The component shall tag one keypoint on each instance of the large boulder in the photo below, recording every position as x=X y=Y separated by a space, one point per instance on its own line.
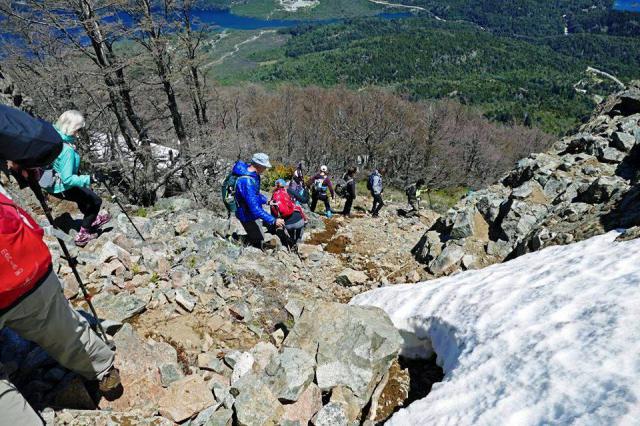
x=353 y=346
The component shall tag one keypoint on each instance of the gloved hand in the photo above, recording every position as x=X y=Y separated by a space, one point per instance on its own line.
x=98 y=177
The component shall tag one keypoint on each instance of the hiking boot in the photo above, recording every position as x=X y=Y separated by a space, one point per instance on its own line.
x=110 y=386
x=101 y=219
x=83 y=237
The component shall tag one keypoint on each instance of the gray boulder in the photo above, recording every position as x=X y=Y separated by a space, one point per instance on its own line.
x=119 y=307
x=447 y=260
x=353 y=346
x=289 y=373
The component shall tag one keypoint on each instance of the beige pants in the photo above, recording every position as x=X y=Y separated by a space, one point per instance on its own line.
x=46 y=318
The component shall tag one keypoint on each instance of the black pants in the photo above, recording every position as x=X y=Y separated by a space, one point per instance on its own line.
x=347 y=206
x=314 y=201
x=377 y=204
x=88 y=202
x=255 y=234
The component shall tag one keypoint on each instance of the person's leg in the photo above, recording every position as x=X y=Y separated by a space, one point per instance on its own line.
x=46 y=318
x=327 y=204
x=254 y=233
x=347 y=206
x=88 y=203
x=15 y=410
x=314 y=201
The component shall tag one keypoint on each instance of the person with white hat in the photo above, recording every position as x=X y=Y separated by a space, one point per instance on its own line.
x=321 y=186
x=249 y=199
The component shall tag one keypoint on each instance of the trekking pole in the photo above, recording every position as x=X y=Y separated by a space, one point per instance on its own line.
x=114 y=198
x=35 y=187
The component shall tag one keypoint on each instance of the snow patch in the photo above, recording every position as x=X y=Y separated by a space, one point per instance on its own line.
x=294 y=5
x=550 y=337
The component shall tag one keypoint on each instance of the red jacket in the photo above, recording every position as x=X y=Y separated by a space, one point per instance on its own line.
x=25 y=260
x=283 y=206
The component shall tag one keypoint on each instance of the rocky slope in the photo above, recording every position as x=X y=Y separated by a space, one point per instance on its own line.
x=584 y=186
x=211 y=332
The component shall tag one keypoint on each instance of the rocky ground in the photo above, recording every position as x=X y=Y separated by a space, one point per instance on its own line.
x=587 y=184
x=211 y=332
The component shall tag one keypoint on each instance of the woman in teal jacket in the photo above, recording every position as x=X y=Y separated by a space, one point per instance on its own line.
x=69 y=185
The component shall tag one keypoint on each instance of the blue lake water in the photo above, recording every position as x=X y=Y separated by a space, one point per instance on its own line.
x=224 y=19
x=627 y=5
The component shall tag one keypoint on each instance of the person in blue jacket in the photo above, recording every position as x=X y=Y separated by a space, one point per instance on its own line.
x=250 y=201
x=69 y=185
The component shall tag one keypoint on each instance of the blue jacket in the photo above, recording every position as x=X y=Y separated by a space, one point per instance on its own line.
x=248 y=196
x=66 y=166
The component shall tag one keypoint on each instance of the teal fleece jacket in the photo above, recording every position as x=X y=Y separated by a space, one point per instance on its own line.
x=66 y=166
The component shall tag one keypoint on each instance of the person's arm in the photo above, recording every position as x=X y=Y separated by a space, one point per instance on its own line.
x=250 y=193
x=310 y=181
x=327 y=182
x=64 y=168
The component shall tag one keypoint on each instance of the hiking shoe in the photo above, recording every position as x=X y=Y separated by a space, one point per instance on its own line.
x=110 y=385
x=83 y=237
x=101 y=219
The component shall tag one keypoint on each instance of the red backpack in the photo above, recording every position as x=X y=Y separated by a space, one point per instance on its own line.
x=24 y=257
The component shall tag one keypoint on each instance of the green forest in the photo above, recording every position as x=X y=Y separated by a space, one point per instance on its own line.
x=513 y=80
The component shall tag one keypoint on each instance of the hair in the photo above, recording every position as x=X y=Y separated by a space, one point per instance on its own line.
x=420 y=182
x=70 y=122
x=352 y=170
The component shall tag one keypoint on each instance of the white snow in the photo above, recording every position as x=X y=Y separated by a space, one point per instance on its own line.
x=552 y=337
x=294 y=5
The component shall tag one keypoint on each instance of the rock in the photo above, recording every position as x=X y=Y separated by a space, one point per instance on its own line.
x=119 y=307
x=242 y=366
x=185 y=398
x=289 y=373
x=111 y=251
x=349 y=277
x=278 y=337
x=262 y=354
x=294 y=307
x=182 y=226
x=353 y=346
x=218 y=417
x=308 y=404
x=139 y=362
x=463 y=225
x=603 y=189
x=623 y=141
x=413 y=276
x=108 y=418
x=185 y=299
x=611 y=155
x=255 y=405
x=174 y=204
x=170 y=373
x=332 y=414
x=350 y=404
x=447 y=260
x=241 y=311
x=210 y=361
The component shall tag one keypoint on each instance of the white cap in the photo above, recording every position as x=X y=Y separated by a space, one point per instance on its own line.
x=324 y=169
x=261 y=159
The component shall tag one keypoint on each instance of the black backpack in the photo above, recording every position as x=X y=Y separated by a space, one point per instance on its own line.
x=29 y=141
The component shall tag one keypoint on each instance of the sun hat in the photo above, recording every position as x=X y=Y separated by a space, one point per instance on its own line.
x=261 y=159
x=324 y=169
x=281 y=183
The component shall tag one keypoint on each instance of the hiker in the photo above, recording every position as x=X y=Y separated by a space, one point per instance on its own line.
x=297 y=180
x=282 y=206
x=31 y=299
x=250 y=201
x=69 y=185
x=413 y=192
x=321 y=187
x=374 y=185
x=350 y=190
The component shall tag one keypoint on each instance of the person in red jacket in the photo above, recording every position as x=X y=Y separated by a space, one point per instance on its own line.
x=33 y=305
x=283 y=206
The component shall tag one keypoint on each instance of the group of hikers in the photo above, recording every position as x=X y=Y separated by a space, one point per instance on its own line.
x=32 y=302
x=286 y=217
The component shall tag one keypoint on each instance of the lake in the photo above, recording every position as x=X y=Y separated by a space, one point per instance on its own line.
x=224 y=19
x=627 y=5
